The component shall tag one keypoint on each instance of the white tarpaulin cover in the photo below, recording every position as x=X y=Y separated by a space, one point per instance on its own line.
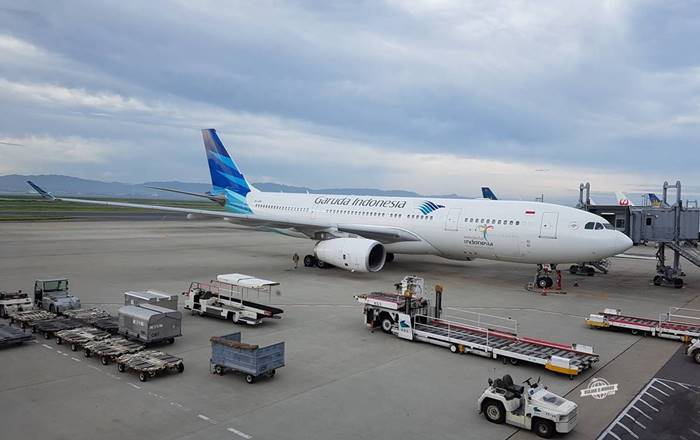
x=242 y=280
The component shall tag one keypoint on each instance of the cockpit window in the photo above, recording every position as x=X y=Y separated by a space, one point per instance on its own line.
x=598 y=226
x=608 y=226
x=589 y=225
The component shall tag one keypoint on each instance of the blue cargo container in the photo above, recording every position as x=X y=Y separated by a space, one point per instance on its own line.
x=228 y=353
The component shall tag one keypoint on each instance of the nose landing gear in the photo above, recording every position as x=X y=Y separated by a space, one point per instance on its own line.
x=543 y=279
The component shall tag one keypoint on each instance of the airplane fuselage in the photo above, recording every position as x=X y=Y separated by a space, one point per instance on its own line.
x=458 y=229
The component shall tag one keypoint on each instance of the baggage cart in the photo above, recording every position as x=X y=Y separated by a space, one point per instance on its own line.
x=109 y=324
x=149 y=363
x=49 y=327
x=229 y=353
x=88 y=316
x=109 y=349
x=13 y=336
x=76 y=338
x=28 y=318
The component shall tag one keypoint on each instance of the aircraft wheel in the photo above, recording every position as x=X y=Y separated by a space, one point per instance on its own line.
x=321 y=264
x=573 y=269
x=544 y=282
x=389 y=257
x=309 y=261
x=677 y=283
x=658 y=279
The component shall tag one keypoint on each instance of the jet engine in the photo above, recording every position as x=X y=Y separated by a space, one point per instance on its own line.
x=353 y=254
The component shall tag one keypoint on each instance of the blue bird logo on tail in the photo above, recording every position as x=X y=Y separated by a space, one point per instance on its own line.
x=427 y=207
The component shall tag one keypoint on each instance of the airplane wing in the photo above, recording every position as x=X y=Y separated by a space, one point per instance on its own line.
x=311 y=228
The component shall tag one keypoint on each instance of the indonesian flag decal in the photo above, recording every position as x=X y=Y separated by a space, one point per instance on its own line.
x=528 y=212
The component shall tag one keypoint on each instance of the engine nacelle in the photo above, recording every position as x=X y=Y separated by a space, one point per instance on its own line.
x=353 y=254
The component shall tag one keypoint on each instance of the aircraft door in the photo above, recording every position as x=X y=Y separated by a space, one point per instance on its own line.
x=452 y=219
x=548 y=228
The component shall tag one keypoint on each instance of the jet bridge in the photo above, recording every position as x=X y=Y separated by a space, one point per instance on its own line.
x=674 y=226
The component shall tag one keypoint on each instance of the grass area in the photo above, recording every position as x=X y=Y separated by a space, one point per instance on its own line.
x=24 y=208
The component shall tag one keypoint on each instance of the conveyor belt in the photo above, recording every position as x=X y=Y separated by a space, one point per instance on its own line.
x=654 y=323
x=501 y=341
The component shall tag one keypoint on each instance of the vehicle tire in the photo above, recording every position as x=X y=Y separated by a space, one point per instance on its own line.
x=696 y=356
x=543 y=428
x=180 y=367
x=590 y=271
x=387 y=323
x=218 y=369
x=73 y=347
x=321 y=264
x=634 y=331
x=272 y=373
x=249 y=378
x=513 y=361
x=58 y=341
x=678 y=283
x=104 y=360
x=143 y=376
x=3 y=314
x=121 y=367
x=171 y=341
x=389 y=257
x=52 y=309
x=47 y=335
x=657 y=280
x=87 y=353
x=494 y=411
x=573 y=269
x=309 y=261
x=542 y=282
x=454 y=348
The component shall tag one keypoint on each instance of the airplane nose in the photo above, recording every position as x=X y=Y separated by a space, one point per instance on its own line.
x=622 y=243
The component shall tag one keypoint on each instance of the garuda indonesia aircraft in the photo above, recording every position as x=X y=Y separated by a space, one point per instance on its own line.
x=361 y=233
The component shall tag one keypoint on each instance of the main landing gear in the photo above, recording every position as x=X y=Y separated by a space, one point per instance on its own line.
x=311 y=261
x=543 y=279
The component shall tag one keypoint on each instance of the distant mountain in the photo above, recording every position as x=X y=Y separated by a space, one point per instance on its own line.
x=74 y=186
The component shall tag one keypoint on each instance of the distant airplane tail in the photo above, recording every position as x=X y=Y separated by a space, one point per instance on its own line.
x=654 y=200
x=622 y=199
x=487 y=193
x=226 y=179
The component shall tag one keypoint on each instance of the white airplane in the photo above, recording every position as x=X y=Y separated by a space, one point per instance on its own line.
x=362 y=233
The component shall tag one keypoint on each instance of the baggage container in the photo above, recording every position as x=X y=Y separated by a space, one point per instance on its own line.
x=149 y=323
x=229 y=353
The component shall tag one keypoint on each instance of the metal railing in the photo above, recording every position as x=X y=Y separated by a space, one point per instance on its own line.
x=479 y=325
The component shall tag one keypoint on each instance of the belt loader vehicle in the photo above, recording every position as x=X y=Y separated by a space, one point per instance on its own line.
x=534 y=409
x=53 y=295
x=229 y=297
x=414 y=319
x=11 y=302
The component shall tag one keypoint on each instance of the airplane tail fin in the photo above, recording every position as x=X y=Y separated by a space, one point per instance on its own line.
x=487 y=193
x=654 y=200
x=622 y=199
x=226 y=178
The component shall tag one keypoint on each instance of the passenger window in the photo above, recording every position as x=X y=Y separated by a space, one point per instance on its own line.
x=511 y=222
x=499 y=222
x=589 y=225
x=517 y=222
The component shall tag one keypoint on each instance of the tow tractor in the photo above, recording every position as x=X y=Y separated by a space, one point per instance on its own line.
x=535 y=409
x=409 y=316
x=53 y=295
x=11 y=302
x=693 y=350
x=228 y=297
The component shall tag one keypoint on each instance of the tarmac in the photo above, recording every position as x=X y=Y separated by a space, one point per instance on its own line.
x=341 y=381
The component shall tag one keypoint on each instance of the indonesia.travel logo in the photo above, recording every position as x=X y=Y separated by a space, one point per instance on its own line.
x=427 y=207
x=485 y=229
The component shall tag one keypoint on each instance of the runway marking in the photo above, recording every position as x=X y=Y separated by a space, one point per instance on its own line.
x=65 y=354
x=94 y=368
x=47 y=346
x=59 y=351
x=206 y=419
x=134 y=385
x=239 y=433
x=76 y=359
x=113 y=376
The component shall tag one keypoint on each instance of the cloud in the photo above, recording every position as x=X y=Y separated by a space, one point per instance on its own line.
x=465 y=93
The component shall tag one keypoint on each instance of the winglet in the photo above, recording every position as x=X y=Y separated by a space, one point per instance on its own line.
x=41 y=192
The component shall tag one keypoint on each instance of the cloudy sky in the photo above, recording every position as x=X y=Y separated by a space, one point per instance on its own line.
x=432 y=96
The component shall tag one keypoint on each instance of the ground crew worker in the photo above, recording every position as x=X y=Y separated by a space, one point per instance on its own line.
x=295 y=259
